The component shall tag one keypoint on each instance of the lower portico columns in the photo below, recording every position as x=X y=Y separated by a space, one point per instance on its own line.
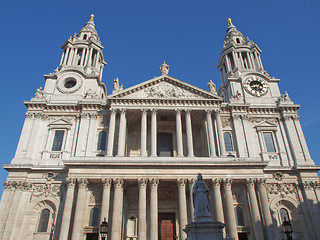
x=77 y=231
x=154 y=182
x=105 y=200
x=265 y=208
x=220 y=134
x=142 y=224
x=254 y=209
x=179 y=133
x=183 y=218
x=217 y=201
x=112 y=124
x=231 y=223
x=116 y=227
x=210 y=133
x=65 y=224
x=143 y=150
x=191 y=183
x=189 y=133
x=122 y=133
x=154 y=132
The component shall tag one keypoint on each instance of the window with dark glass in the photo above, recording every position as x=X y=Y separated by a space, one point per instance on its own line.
x=239 y=214
x=164 y=145
x=228 y=141
x=102 y=141
x=284 y=215
x=269 y=142
x=44 y=220
x=94 y=217
x=57 y=141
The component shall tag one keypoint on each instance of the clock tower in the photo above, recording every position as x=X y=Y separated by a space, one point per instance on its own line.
x=243 y=78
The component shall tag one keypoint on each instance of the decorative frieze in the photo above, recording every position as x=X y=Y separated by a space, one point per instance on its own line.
x=46 y=190
x=281 y=188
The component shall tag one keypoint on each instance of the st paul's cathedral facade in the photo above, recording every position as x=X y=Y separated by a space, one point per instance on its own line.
x=132 y=157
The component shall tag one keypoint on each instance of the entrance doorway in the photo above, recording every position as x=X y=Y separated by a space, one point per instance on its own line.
x=165 y=145
x=167 y=226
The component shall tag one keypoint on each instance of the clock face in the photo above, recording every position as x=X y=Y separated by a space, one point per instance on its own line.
x=256 y=86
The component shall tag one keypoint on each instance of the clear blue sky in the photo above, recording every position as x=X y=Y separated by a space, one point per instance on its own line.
x=138 y=35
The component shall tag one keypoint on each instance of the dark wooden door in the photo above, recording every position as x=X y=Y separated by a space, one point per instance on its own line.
x=167 y=226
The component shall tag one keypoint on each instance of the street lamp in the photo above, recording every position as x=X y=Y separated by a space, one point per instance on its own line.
x=287 y=229
x=104 y=229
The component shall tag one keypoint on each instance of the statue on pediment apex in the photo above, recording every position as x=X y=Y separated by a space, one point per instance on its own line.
x=164 y=68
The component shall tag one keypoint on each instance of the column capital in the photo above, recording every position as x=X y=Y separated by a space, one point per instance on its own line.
x=251 y=182
x=142 y=182
x=227 y=182
x=71 y=182
x=82 y=182
x=113 y=110
x=118 y=183
x=106 y=182
x=181 y=182
x=217 y=111
x=178 y=110
x=188 y=111
x=123 y=110
x=154 y=182
x=261 y=182
x=209 y=110
x=154 y=110
x=144 y=110
x=216 y=182
x=191 y=182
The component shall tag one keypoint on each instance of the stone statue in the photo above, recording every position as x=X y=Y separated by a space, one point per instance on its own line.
x=164 y=68
x=286 y=97
x=39 y=93
x=211 y=86
x=201 y=200
x=116 y=85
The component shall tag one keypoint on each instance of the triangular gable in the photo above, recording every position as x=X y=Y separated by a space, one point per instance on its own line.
x=265 y=125
x=164 y=87
x=60 y=123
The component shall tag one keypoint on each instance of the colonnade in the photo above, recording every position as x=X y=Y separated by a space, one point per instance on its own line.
x=221 y=189
x=179 y=139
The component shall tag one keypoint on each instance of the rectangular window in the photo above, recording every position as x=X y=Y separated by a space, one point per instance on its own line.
x=268 y=139
x=57 y=142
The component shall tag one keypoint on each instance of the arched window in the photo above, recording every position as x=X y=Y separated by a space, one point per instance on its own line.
x=44 y=220
x=84 y=36
x=102 y=141
x=239 y=214
x=238 y=40
x=284 y=215
x=228 y=141
x=94 y=217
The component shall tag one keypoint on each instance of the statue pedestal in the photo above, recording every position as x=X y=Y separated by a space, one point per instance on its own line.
x=204 y=230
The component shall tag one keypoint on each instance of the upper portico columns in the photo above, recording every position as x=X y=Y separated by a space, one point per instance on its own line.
x=220 y=134
x=122 y=132
x=154 y=132
x=143 y=151
x=179 y=133
x=111 y=132
x=189 y=133
x=210 y=133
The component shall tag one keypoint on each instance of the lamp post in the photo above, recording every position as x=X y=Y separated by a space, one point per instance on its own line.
x=104 y=229
x=287 y=229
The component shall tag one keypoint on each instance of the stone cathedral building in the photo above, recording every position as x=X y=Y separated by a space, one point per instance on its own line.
x=132 y=156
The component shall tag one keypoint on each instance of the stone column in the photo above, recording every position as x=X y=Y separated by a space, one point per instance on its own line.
x=179 y=133
x=210 y=133
x=254 y=209
x=112 y=124
x=217 y=201
x=231 y=223
x=189 y=133
x=154 y=132
x=105 y=199
x=122 y=133
x=153 y=209
x=183 y=219
x=142 y=218
x=65 y=224
x=143 y=151
x=66 y=56
x=220 y=134
x=239 y=134
x=116 y=227
x=191 y=183
x=265 y=208
x=77 y=231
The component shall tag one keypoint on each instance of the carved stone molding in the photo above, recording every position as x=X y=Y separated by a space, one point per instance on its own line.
x=46 y=190
x=154 y=182
x=142 y=182
x=82 y=182
x=227 y=182
x=123 y=110
x=216 y=182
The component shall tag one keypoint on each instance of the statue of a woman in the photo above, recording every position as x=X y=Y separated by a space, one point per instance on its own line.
x=201 y=200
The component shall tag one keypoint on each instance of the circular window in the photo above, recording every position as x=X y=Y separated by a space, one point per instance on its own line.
x=70 y=83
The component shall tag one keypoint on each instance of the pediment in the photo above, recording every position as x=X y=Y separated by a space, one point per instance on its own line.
x=164 y=87
x=62 y=123
x=265 y=125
